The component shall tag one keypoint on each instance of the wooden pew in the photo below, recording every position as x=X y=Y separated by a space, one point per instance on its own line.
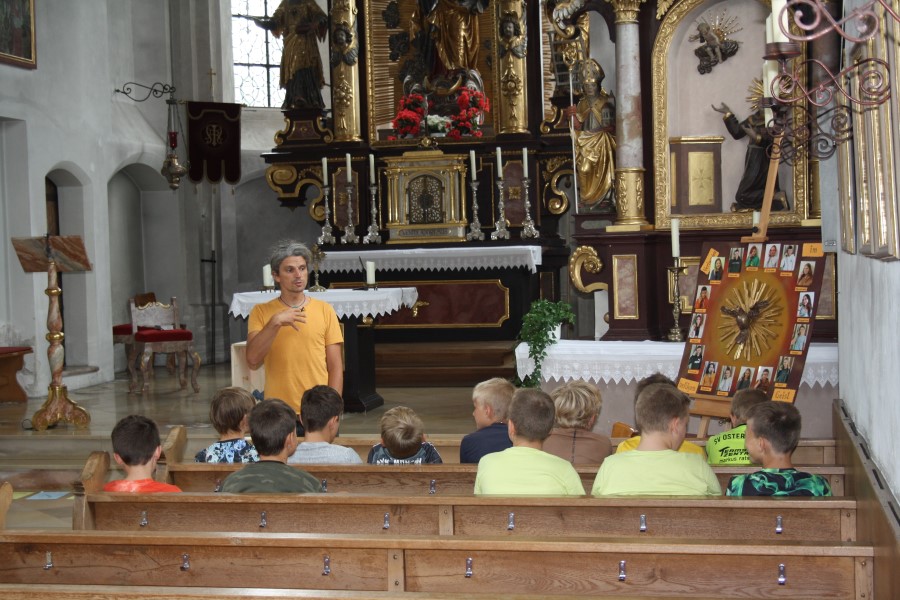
x=6 y=496
x=435 y=564
x=417 y=479
x=810 y=519
x=808 y=452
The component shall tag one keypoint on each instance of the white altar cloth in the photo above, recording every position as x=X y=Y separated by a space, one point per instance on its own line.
x=356 y=303
x=631 y=361
x=434 y=259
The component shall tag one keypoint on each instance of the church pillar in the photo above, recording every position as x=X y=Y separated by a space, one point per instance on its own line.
x=629 y=185
x=512 y=49
x=345 y=100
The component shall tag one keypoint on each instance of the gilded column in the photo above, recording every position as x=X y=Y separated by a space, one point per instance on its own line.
x=344 y=58
x=512 y=49
x=629 y=185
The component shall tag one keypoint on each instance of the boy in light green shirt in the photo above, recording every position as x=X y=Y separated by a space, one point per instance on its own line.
x=728 y=447
x=656 y=467
x=525 y=469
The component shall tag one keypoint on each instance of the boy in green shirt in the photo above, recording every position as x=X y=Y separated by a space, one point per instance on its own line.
x=728 y=447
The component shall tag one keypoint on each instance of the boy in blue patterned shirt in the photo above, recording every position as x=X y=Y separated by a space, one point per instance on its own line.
x=228 y=413
x=773 y=430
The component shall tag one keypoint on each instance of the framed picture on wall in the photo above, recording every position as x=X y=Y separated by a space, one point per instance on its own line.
x=17 y=33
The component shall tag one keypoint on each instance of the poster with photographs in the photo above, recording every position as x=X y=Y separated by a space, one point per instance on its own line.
x=754 y=309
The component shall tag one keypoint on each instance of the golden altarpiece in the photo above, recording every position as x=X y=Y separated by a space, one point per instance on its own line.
x=476 y=123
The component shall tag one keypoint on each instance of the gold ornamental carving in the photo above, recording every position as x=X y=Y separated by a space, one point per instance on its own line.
x=626 y=10
x=512 y=49
x=629 y=200
x=585 y=258
x=344 y=53
x=555 y=198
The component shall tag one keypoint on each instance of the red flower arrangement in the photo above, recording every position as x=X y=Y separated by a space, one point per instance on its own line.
x=410 y=114
x=472 y=105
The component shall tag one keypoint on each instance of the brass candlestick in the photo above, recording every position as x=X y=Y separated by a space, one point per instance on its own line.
x=675 y=333
x=317 y=257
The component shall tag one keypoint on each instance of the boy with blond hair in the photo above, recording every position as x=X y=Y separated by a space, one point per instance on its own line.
x=727 y=448
x=229 y=413
x=656 y=467
x=525 y=469
x=136 y=448
x=402 y=440
x=578 y=405
x=773 y=430
x=491 y=400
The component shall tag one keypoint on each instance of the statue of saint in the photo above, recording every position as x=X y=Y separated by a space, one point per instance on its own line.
x=302 y=24
x=749 y=195
x=452 y=26
x=595 y=140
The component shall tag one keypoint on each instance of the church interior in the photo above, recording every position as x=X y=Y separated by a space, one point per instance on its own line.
x=684 y=178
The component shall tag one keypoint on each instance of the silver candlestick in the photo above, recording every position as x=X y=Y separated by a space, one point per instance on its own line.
x=501 y=232
x=372 y=237
x=350 y=236
x=475 y=232
x=528 y=229
x=675 y=333
x=327 y=236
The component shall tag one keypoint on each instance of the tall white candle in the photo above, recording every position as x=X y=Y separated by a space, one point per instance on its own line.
x=268 y=280
x=525 y=163
x=780 y=19
x=472 y=165
x=499 y=164
x=676 y=241
x=372 y=169
x=324 y=170
x=756 y=216
x=370 y=272
x=769 y=34
x=349 y=172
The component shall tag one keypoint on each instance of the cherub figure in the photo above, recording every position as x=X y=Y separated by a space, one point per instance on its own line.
x=715 y=46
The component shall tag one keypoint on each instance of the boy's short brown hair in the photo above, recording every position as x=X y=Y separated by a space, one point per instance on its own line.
x=777 y=422
x=228 y=408
x=532 y=413
x=745 y=399
x=318 y=406
x=657 y=405
x=271 y=422
x=577 y=404
x=402 y=431
x=135 y=438
x=650 y=380
x=496 y=393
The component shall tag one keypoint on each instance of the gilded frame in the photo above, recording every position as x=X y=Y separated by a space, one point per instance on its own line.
x=675 y=17
x=625 y=263
x=381 y=72
x=846 y=189
x=27 y=59
x=861 y=176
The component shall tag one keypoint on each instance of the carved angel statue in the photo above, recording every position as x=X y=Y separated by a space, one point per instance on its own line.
x=511 y=38
x=344 y=47
x=715 y=46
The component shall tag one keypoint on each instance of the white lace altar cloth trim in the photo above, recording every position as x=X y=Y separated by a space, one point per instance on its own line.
x=434 y=259
x=356 y=303
x=631 y=361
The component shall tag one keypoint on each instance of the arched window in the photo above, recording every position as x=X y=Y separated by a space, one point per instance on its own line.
x=257 y=55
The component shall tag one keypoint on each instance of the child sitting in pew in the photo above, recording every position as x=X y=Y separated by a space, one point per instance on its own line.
x=578 y=405
x=525 y=469
x=402 y=440
x=229 y=412
x=655 y=467
x=320 y=412
x=491 y=400
x=273 y=428
x=773 y=430
x=727 y=448
x=136 y=448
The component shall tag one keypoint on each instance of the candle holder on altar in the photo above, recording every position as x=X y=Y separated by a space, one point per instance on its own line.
x=501 y=232
x=675 y=333
x=317 y=257
x=528 y=229
x=475 y=232
x=373 y=237
x=327 y=236
x=350 y=236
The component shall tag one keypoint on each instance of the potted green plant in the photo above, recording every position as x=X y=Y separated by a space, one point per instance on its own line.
x=539 y=331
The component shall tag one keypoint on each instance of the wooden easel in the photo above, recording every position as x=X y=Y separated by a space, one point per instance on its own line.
x=761 y=230
x=55 y=254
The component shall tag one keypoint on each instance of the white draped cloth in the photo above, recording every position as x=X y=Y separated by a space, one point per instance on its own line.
x=434 y=259
x=624 y=362
x=346 y=303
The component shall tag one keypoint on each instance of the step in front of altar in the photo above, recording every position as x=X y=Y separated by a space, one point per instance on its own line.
x=443 y=364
